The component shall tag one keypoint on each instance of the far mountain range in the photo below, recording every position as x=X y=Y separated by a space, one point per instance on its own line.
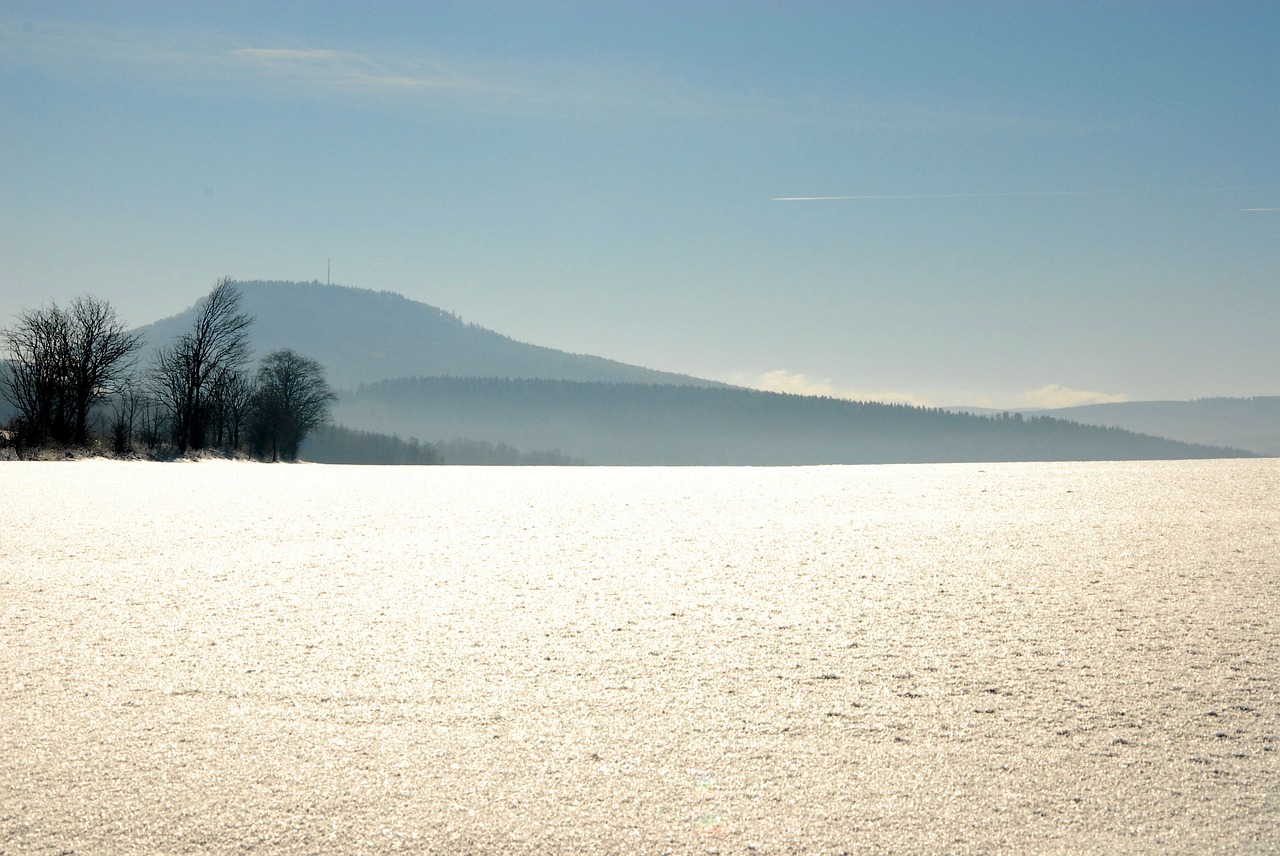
x=414 y=370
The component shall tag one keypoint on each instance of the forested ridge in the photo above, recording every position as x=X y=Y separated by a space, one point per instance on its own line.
x=615 y=423
x=1251 y=423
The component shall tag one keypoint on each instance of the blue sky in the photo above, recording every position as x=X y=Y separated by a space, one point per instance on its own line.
x=1055 y=202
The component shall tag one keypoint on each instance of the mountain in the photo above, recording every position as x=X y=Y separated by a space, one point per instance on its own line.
x=609 y=423
x=362 y=336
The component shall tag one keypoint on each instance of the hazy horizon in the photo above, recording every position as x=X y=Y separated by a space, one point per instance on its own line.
x=942 y=204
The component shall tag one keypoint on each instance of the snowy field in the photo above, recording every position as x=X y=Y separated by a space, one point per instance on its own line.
x=223 y=657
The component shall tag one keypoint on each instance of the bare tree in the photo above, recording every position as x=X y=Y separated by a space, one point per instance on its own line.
x=171 y=387
x=187 y=369
x=128 y=404
x=36 y=380
x=230 y=403
x=102 y=356
x=291 y=401
x=153 y=418
x=63 y=363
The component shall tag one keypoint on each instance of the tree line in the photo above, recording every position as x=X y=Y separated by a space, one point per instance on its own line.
x=74 y=378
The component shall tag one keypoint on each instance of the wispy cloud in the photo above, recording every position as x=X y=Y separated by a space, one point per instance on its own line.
x=781 y=380
x=576 y=87
x=1053 y=395
x=346 y=70
x=185 y=58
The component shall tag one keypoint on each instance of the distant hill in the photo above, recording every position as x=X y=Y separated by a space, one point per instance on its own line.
x=1244 y=423
x=1252 y=424
x=605 y=423
x=362 y=336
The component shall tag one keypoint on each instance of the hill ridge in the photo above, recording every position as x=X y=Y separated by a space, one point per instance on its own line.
x=362 y=336
x=664 y=424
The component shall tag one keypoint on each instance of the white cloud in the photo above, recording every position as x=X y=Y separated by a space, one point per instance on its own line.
x=781 y=380
x=1053 y=395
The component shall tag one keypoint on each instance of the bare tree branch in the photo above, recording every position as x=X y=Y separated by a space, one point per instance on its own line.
x=186 y=371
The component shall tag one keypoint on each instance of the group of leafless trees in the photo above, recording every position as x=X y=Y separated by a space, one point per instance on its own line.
x=72 y=370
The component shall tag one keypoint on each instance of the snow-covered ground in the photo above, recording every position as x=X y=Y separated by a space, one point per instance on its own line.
x=218 y=657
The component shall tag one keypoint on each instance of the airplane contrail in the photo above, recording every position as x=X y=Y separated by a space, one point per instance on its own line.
x=1021 y=193
x=945 y=195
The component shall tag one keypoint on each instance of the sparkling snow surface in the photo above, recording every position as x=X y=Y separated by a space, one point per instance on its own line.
x=222 y=657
